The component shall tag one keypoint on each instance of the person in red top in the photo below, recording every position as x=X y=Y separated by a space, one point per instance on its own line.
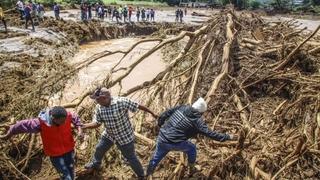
x=130 y=13
x=55 y=129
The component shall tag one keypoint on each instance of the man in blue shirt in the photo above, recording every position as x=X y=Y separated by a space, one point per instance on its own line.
x=178 y=124
x=56 y=10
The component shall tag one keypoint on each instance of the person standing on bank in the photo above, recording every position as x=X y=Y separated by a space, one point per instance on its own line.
x=56 y=10
x=2 y=18
x=113 y=113
x=54 y=126
x=41 y=12
x=179 y=124
x=130 y=12
x=20 y=8
x=138 y=14
x=28 y=16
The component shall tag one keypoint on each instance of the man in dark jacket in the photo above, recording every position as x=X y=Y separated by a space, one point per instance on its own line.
x=177 y=126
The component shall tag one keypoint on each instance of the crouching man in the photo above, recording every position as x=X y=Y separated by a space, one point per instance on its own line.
x=177 y=126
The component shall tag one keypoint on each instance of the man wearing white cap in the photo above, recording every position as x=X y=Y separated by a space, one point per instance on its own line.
x=177 y=126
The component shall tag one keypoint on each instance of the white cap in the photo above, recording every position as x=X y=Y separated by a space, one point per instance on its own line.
x=200 y=105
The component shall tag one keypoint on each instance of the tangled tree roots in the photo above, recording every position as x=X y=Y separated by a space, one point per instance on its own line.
x=260 y=79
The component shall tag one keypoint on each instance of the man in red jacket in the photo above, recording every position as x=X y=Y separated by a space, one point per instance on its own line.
x=54 y=126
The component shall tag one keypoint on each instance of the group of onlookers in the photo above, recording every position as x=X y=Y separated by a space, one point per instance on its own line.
x=179 y=14
x=120 y=13
x=146 y=14
x=31 y=10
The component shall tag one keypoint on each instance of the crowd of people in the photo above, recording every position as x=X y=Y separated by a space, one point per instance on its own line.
x=179 y=14
x=177 y=126
x=30 y=11
x=33 y=13
x=114 y=13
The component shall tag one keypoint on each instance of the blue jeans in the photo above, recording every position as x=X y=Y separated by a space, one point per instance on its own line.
x=64 y=164
x=127 y=151
x=57 y=16
x=162 y=150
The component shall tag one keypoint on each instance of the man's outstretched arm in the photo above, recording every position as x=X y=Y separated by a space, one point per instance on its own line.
x=23 y=126
x=204 y=129
x=91 y=125
x=143 y=108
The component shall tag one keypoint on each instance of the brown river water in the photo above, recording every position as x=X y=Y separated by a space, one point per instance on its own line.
x=89 y=76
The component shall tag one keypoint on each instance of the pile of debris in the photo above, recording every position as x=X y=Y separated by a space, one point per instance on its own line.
x=260 y=79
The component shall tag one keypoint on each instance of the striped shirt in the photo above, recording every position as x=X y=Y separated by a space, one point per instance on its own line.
x=116 y=120
x=183 y=122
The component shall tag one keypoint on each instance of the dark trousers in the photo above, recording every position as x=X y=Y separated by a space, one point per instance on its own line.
x=127 y=151
x=56 y=15
x=162 y=150
x=21 y=14
x=64 y=165
x=4 y=23
x=29 y=18
x=83 y=15
x=89 y=14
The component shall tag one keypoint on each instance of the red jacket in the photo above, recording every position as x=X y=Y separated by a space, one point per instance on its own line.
x=57 y=140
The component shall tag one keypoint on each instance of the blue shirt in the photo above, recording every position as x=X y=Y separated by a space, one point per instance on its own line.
x=56 y=9
x=27 y=11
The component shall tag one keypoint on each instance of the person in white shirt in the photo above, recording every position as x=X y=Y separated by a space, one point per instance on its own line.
x=20 y=8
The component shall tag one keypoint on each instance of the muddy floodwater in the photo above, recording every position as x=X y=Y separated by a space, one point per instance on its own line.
x=89 y=76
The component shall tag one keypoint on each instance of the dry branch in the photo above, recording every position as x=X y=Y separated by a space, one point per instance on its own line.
x=289 y=57
x=225 y=59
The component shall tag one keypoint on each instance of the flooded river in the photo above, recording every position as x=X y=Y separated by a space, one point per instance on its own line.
x=89 y=76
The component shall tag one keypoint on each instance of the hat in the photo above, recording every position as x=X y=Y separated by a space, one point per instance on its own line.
x=200 y=105
x=98 y=92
